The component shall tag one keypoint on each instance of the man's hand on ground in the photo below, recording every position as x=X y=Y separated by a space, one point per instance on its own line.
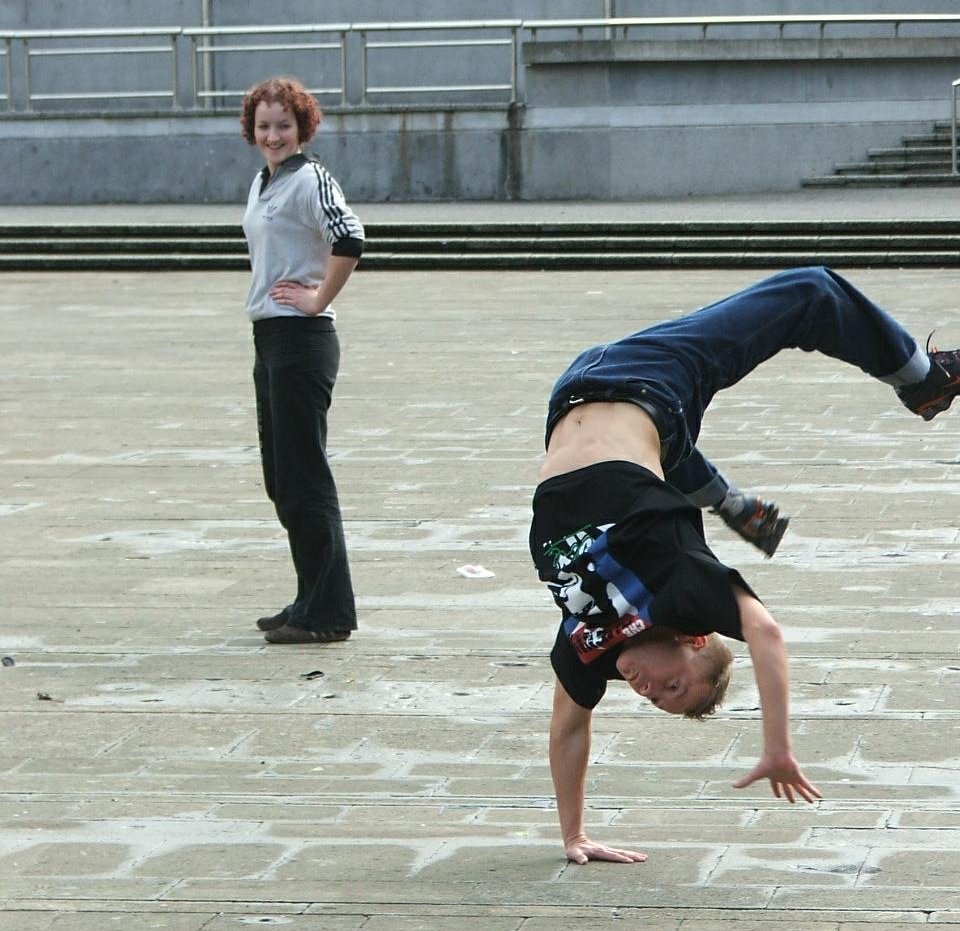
x=785 y=777
x=581 y=849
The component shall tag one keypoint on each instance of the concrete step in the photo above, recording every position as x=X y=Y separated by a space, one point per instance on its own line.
x=923 y=158
x=533 y=261
x=652 y=244
x=922 y=139
x=699 y=244
x=927 y=139
x=89 y=245
x=206 y=251
x=884 y=179
x=224 y=237
x=918 y=151
x=893 y=165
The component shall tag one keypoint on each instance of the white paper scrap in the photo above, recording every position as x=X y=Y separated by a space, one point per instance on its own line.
x=471 y=571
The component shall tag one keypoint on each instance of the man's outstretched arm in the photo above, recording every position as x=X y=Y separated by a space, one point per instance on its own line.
x=569 y=755
x=769 y=655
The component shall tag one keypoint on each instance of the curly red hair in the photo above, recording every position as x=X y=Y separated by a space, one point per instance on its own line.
x=292 y=96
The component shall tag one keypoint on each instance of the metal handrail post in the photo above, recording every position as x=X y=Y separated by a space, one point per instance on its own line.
x=953 y=127
x=8 y=63
x=363 y=66
x=515 y=64
x=27 y=92
x=194 y=76
x=175 y=97
x=343 y=67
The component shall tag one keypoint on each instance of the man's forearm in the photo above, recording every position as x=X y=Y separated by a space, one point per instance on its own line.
x=569 y=755
x=773 y=683
x=777 y=763
x=570 y=727
x=771 y=669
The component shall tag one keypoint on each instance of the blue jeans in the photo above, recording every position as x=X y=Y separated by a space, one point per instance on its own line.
x=674 y=369
x=296 y=366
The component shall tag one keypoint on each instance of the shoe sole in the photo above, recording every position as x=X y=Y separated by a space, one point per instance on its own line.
x=771 y=541
x=306 y=637
x=930 y=410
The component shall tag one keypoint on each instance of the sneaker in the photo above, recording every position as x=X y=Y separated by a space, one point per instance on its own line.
x=936 y=392
x=759 y=523
x=274 y=620
x=290 y=634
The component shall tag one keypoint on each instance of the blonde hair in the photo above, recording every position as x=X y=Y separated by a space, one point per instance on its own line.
x=716 y=662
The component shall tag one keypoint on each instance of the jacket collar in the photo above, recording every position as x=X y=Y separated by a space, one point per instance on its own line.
x=288 y=164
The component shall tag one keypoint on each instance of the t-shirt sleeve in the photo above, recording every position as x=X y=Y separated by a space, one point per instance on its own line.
x=585 y=685
x=698 y=598
x=340 y=226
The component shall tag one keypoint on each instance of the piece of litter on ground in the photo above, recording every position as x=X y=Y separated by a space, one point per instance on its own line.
x=46 y=696
x=472 y=571
x=9 y=661
x=313 y=674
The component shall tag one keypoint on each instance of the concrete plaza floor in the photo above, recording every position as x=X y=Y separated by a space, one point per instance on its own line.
x=164 y=768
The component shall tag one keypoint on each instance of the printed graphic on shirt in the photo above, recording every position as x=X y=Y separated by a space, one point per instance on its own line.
x=603 y=602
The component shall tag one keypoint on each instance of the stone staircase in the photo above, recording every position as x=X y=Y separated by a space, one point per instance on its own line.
x=534 y=246
x=923 y=159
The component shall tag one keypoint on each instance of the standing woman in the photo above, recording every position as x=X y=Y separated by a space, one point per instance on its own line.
x=304 y=243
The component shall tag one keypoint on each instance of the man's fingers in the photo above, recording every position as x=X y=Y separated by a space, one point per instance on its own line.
x=745 y=781
x=809 y=791
x=790 y=790
x=626 y=856
x=610 y=854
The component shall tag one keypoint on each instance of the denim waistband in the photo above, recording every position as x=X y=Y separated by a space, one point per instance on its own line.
x=667 y=417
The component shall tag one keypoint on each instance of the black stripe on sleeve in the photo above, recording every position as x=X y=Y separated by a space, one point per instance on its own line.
x=348 y=246
x=342 y=224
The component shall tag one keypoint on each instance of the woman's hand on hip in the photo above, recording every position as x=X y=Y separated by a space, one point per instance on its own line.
x=300 y=296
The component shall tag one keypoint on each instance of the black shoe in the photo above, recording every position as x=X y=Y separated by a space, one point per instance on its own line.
x=274 y=620
x=759 y=522
x=290 y=634
x=936 y=392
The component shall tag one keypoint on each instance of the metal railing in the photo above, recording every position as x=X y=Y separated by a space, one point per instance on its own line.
x=953 y=125
x=7 y=71
x=203 y=49
x=511 y=41
x=32 y=55
x=201 y=68
x=703 y=23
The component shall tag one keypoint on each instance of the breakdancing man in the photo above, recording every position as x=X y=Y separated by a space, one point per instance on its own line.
x=622 y=551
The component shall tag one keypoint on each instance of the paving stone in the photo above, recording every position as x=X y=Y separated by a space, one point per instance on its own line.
x=127 y=921
x=325 y=921
x=211 y=860
x=183 y=774
x=443 y=923
x=65 y=859
x=17 y=920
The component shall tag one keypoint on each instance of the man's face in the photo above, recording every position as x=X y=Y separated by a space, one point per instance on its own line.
x=666 y=671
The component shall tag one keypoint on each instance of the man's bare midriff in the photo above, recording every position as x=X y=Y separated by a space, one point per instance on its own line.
x=602 y=431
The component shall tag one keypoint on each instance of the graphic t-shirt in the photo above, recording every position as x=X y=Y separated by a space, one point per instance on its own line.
x=622 y=551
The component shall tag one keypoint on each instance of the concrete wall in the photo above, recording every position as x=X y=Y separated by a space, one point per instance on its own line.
x=674 y=118
x=605 y=120
x=398 y=156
